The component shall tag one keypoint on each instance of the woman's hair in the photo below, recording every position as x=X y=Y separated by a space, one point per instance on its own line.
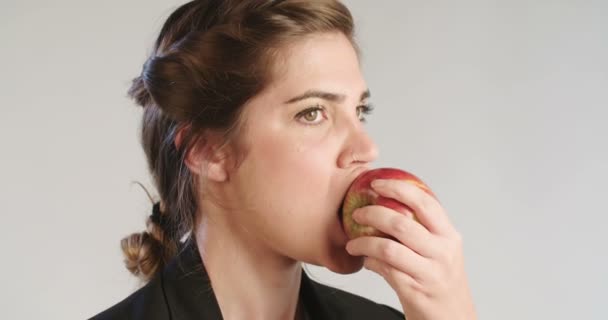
x=210 y=58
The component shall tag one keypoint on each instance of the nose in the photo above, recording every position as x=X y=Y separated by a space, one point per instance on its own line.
x=359 y=148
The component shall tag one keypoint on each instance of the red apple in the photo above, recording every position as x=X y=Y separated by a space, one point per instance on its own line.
x=360 y=194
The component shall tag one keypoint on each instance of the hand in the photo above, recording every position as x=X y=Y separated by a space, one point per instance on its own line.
x=425 y=266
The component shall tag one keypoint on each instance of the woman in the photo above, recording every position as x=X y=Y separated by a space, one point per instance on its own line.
x=253 y=131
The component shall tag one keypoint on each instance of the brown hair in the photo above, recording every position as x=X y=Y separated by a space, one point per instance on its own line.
x=209 y=59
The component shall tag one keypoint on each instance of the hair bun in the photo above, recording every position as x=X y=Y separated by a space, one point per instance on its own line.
x=139 y=93
x=170 y=86
x=142 y=254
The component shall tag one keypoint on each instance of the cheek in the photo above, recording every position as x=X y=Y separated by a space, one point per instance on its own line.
x=288 y=185
x=288 y=177
x=295 y=165
x=288 y=166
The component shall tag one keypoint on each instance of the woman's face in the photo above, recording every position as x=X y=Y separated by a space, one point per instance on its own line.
x=302 y=136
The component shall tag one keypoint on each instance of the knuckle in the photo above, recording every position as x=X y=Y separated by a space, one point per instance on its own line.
x=403 y=193
x=394 y=273
x=425 y=202
x=400 y=225
x=420 y=291
x=446 y=252
x=435 y=275
x=451 y=252
x=388 y=250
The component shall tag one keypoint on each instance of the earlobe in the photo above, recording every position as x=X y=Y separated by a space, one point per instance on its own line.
x=216 y=171
x=205 y=159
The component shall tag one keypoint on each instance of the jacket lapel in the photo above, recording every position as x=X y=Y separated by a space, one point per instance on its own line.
x=187 y=287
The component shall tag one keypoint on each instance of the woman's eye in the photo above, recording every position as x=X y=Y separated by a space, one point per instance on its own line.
x=315 y=115
x=363 y=110
x=311 y=116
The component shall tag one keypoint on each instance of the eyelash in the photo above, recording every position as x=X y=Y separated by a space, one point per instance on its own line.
x=366 y=109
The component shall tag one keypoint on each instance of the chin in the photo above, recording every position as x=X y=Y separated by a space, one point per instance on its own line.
x=341 y=262
x=351 y=265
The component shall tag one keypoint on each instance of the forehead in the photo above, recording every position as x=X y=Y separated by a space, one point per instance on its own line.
x=325 y=61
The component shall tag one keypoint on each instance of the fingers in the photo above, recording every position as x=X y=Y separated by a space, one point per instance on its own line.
x=427 y=209
x=403 y=228
x=390 y=252
x=395 y=278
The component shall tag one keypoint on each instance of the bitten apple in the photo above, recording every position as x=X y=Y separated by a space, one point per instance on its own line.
x=360 y=194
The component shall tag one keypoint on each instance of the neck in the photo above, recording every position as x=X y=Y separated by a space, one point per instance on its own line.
x=248 y=280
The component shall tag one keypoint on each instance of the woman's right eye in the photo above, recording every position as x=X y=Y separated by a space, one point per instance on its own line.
x=312 y=114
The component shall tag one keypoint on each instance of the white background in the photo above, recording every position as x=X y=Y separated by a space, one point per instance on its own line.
x=500 y=106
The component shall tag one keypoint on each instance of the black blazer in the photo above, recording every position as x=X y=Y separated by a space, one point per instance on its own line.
x=182 y=291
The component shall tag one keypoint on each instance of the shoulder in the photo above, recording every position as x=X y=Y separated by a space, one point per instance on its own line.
x=146 y=303
x=346 y=305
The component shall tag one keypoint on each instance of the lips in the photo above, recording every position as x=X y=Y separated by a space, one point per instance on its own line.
x=356 y=173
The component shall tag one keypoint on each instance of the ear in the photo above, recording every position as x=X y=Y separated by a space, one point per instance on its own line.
x=205 y=158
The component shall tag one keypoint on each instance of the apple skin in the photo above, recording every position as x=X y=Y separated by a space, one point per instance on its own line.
x=360 y=194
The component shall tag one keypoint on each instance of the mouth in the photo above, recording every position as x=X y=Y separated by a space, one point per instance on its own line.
x=339 y=221
x=355 y=174
x=339 y=217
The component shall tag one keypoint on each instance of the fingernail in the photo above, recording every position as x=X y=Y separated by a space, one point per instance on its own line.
x=378 y=183
x=348 y=247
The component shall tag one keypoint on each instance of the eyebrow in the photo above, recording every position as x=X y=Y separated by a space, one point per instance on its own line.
x=329 y=96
